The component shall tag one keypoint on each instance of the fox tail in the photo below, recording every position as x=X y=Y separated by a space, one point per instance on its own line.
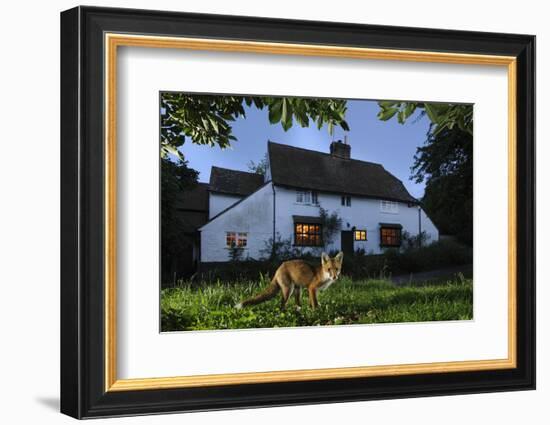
x=269 y=292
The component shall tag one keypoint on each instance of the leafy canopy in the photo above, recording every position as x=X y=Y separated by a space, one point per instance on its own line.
x=205 y=119
x=442 y=115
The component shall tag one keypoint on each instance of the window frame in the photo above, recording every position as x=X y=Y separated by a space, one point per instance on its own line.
x=242 y=237
x=311 y=195
x=360 y=231
x=238 y=238
x=394 y=207
x=399 y=236
x=345 y=200
x=314 y=198
x=308 y=233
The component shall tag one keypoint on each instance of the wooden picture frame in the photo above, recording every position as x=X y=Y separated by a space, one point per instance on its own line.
x=90 y=38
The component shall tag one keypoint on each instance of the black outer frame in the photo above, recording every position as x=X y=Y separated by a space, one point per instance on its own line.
x=82 y=219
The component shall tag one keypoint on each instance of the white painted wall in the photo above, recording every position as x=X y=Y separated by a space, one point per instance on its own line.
x=254 y=215
x=217 y=202
x=364 y=214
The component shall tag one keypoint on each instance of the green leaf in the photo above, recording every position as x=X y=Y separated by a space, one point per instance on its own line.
x=319 y=123
x=214 y=123
x=275 y=111
x=431 y=111
x=400 y=117
x=387 y=104
x=387 y=114
x=409 y=109
x=301 y=117
x=286 y=115
x=258 y=102
x=169 y=149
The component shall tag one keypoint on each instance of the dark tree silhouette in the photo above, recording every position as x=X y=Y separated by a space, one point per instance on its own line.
x=176 y=178
x=445 y=162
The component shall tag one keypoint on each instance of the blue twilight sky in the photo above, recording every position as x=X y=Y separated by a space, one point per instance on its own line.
x=389 y=143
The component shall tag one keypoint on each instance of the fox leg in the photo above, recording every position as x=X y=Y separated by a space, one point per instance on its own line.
x=298 y=296
x=286 y=292
x=313 y=297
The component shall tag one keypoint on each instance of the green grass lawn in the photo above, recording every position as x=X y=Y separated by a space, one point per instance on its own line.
x=346 y=302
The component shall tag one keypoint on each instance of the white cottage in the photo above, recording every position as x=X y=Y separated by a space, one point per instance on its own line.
x=247 y=209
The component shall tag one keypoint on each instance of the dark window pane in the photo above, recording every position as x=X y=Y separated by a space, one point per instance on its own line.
x=390 y=236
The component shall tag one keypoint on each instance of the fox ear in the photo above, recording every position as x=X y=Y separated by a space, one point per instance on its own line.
x=324 y=258
x=339 y=257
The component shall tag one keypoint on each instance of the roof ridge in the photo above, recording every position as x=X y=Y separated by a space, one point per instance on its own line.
x=324 y=153
x=233 y=170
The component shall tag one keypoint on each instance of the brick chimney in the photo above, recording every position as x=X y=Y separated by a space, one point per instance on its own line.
x=340 y=149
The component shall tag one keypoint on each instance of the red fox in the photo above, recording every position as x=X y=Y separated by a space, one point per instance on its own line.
x=292 y=275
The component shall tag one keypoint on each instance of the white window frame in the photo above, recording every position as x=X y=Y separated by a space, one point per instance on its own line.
x=239 y=236
x=389 y=207
x=307 y=197
x=345 y=200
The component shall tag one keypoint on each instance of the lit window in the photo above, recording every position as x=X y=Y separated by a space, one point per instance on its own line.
x=346 y=201
x=360 y=235
x=307 y=234
x=390 y=236
x=230 y=239
x=242 y=240
x=306 y=197
x=234 y=239
x=390 y=207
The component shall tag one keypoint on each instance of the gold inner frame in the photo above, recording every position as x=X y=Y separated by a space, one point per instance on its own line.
x=113 y=41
